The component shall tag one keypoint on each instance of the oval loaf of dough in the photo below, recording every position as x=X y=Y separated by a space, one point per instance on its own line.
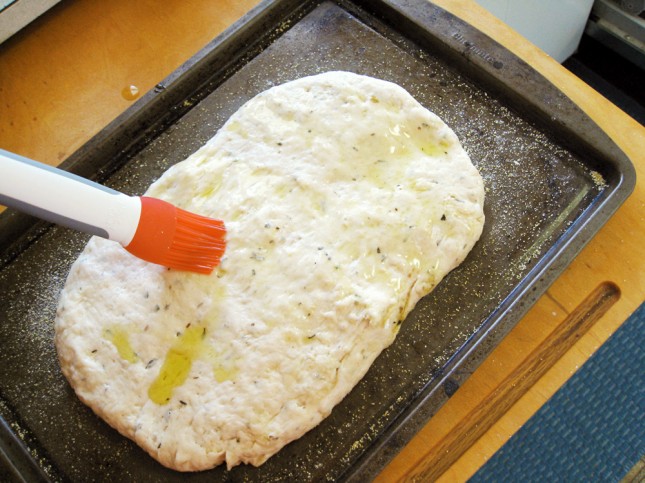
x=345 y=201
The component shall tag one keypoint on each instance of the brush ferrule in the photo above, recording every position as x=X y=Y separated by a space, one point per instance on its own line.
x=122 y=216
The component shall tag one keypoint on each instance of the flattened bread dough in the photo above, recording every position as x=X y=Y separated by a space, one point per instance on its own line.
x=345 y=202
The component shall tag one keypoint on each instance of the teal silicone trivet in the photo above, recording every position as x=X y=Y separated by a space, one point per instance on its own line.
x=592 y=429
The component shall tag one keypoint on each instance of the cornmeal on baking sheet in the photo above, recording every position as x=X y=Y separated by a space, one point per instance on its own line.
x=345 y=201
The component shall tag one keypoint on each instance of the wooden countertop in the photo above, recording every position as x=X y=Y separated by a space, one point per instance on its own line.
x=93 y=52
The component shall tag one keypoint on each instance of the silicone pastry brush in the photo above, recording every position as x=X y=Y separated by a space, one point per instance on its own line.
x=149 y=228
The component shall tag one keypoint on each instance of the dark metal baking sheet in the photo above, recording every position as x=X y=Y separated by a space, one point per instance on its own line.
x=552 y=179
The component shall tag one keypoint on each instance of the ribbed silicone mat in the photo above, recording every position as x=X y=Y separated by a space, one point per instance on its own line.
x=592 y=429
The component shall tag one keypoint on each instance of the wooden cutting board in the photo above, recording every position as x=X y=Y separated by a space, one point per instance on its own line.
x=109 y=53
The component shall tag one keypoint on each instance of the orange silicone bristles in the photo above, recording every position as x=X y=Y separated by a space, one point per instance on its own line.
x=169 y=236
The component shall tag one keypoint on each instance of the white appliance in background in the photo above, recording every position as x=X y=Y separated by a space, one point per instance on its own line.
x=555 y=26
x=15 y=14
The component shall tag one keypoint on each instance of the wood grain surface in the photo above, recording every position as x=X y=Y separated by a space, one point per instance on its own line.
x=106 y=54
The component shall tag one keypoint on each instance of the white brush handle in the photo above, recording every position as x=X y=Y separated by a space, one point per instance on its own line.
x=66 y=199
